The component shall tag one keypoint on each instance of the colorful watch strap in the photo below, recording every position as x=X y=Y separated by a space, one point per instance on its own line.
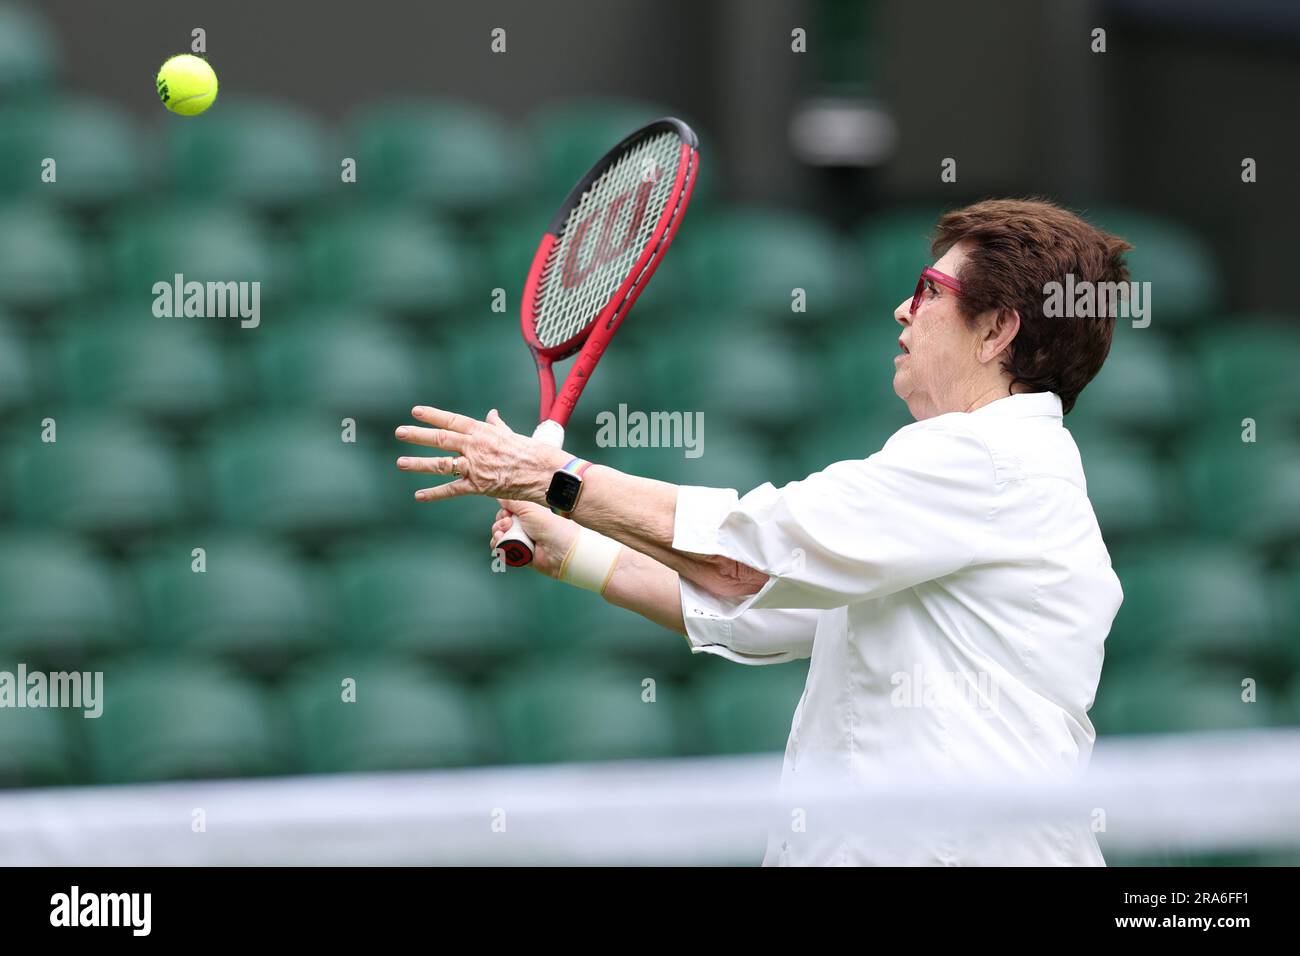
x=575 y=466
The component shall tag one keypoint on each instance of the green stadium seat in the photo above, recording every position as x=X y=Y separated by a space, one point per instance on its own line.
x=123 y=357
x=572 y=710
x=362 y=368
x=495 y=370
x=854 y=376
x=16 y=385
x=490 y=369
x=29 y=53
x=255 y=604
x=1184 y=275
x=1164 y=699
x=1246 y=491
x=1249 y=366
x=41 y=258
x=843 y=439
x=203 y=243
x=730 y=459
x=96 y=145
x=452 y=156
x=425 y=595
x=895 y=247
x=1142 y=388
x=574 y=133
x=1292 y=703
x=170 y=719
x=35 y=749
x=1286 y=590
x=573 y=620
x=389 y=259
x=1131 y=490
x=265 y=153
x=104 y=476
x=509 y=241
x=620 y=379
x=296 y=477
x=742 y=709
x=1194 y=602
x=401 y=718
x=61 y=600
x=760 y=378
x=461 y=523
x=753 y=258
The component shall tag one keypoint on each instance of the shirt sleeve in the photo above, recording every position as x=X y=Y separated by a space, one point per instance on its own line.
x=917 y=510
x=766 y=636
x=713 y=626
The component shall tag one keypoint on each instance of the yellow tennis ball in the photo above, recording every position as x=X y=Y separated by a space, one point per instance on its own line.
x=187 y=85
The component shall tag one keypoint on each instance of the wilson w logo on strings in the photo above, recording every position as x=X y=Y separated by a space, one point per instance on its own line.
x=608 y=247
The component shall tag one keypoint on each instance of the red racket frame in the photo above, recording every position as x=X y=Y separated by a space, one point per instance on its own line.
x=595 y=337
x=591 y=342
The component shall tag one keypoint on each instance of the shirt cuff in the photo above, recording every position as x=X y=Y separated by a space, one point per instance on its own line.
x=709 y=629
x=699 y=515
x=697 y=524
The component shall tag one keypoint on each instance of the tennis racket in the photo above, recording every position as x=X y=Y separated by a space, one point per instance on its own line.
x=594 y=260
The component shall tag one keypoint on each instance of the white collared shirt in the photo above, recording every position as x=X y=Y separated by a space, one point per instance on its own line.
x=953 y=592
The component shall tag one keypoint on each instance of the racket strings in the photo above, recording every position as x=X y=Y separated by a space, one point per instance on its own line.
x=603 y=236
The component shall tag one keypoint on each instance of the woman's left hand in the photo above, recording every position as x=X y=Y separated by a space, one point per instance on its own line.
x=487 y=458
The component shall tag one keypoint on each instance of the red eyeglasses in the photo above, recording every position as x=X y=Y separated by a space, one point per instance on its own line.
x=932 y=275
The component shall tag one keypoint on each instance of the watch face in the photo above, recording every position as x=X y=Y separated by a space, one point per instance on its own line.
x=563 y=493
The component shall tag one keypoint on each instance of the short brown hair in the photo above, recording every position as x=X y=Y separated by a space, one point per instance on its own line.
x=1020 y=246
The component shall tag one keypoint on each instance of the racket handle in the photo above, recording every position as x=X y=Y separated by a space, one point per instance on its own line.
x=516 y=546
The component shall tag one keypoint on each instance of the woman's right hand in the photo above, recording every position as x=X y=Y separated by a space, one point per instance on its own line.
x=552 y=535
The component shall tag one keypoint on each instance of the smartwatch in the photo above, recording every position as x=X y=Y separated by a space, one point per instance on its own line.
x=566 y=486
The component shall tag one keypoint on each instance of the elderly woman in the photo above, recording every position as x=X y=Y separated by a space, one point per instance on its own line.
x=952 y=590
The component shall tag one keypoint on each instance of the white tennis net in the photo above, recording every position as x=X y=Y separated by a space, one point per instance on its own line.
x=1202 y=794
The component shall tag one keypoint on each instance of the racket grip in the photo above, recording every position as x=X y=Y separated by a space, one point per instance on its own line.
x=515 y=545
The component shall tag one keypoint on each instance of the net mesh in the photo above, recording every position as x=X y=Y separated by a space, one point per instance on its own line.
x=604 y=235
x=1226 y=797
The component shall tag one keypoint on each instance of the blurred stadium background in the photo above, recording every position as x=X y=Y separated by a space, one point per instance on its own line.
x=820 y=171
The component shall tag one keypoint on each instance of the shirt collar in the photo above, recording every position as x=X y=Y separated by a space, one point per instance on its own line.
x=1024 y=405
